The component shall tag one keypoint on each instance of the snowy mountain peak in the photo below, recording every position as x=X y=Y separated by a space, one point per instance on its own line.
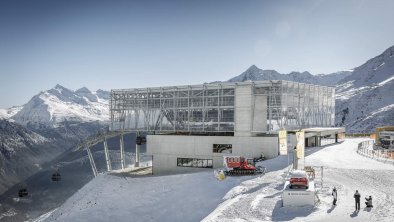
x=254 y=73
x=60 y=104
x=60 y=88
x=83 y=90
x=103 y=94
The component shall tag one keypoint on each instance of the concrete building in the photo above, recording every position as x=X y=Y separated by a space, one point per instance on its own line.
x=193 y=127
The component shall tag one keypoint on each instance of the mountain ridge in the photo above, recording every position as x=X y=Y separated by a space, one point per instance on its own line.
x=254 y=73
x=363 y=99
x=53 y=106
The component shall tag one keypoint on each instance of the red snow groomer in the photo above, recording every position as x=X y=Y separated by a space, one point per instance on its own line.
x=237 y=165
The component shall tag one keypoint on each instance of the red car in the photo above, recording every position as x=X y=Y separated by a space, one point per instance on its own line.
x=299 y=179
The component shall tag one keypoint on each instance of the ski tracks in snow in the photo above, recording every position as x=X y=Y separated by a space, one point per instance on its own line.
x=256 y=202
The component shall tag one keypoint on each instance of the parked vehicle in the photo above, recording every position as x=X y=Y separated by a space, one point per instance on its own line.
x=299 y=180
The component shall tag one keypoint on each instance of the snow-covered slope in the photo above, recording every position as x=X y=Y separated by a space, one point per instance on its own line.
x=365 y=99
x=8 y=113
x=343 y=168
x=254 y=73
x=193 y=197
x=60 y=104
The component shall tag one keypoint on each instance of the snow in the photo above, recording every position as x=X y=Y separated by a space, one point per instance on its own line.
x=343 y=168
x=8 y=113
x=380 y=111
x=60 y=110
x=60 y=104
x=386 y=81
x=3 y=114
x=200 y=196
x=43 y=217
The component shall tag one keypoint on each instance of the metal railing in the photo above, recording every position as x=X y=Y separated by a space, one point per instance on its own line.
x=352 y=135
x=366 y=148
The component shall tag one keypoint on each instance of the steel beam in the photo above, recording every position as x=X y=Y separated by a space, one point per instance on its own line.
x=92 y=164
x=122 y=162
x=107 y=158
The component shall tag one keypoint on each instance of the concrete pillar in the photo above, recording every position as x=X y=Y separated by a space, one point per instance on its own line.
x=243 y=110
x=122 y=151
x=137 y=156
x=107 y=158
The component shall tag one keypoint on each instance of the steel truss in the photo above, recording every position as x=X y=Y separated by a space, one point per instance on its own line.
x=203 y=108
x=211 y=107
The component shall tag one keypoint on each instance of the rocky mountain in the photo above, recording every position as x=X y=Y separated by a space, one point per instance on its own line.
x=52 y=107
x=49 y=124
x=365 y=99
x=21 y=153
x=254 y=73
x=364 y=95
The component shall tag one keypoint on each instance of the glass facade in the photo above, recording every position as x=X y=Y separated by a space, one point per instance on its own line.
x=292 y=105
x=202 y=108
x=212 y=108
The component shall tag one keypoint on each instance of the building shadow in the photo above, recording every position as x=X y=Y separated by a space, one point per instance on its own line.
x=281 y=213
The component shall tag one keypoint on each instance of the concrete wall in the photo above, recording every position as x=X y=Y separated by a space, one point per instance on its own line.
x=167 y=148
x=243 y=110
x=260 y=113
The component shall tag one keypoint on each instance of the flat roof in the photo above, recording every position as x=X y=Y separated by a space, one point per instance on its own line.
x=320 y=131
x=219 y=84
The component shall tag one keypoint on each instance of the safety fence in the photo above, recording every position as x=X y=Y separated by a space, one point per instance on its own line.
x=366 y=148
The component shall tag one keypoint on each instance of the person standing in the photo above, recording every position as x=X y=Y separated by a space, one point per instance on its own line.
x=334 y=195
x=357 y=199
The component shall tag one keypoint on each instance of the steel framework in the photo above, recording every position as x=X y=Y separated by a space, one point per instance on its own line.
x=211 y=107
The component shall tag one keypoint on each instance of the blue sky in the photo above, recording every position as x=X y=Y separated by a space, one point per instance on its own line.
x=126 y=44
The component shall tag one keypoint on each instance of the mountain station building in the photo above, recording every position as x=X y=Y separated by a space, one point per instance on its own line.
x=192 y=127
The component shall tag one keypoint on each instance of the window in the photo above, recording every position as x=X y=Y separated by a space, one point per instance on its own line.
x=222 y=148
x=193 y=162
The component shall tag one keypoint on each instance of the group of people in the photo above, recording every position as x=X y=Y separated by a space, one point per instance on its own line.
x=357 y=197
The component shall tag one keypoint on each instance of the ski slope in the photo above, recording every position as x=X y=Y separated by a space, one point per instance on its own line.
x=199 y=196
x=343 y=168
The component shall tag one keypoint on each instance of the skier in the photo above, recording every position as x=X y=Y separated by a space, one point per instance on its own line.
x=334 y=195
x=357 y=199
x=369 y=201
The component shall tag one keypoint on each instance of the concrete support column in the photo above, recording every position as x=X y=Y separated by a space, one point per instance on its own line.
x=137 y=155
x=122 y=151
x=107 y=158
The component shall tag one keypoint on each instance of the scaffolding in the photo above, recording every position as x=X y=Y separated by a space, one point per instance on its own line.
x=211 y=108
